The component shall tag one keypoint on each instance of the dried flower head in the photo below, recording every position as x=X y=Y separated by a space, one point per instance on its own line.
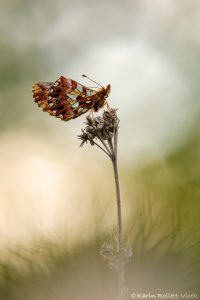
x=110 y=253
x=102 y=128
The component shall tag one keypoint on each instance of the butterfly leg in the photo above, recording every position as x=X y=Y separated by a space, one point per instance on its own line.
x=91 y=114
x=108 y=106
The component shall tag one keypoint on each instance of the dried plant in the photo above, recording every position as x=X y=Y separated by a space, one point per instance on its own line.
x=102 y=132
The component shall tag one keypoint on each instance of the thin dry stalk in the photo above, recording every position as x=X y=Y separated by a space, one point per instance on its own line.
x=104 y=129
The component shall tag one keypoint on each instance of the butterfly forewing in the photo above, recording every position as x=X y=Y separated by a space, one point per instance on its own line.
x=65 y=98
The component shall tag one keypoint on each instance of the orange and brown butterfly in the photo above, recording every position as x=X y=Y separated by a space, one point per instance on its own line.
x=67 y=99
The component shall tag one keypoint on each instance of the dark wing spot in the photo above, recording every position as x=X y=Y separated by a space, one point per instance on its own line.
x=79 y=98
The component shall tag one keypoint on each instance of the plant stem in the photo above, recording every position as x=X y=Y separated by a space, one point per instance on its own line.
x=118 y=197
x=119 y=217
x=102 y=149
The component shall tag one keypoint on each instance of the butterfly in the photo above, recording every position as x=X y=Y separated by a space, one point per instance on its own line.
x=67 y=99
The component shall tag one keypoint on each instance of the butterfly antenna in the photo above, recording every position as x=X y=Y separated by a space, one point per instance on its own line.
x=92 y=80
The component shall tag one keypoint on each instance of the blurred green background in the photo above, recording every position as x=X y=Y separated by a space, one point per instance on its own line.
x=57 y=200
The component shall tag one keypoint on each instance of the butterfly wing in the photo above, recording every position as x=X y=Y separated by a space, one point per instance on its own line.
x=65 y=98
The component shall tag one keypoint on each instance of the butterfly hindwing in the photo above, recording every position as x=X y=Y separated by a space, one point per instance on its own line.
x=65 y=98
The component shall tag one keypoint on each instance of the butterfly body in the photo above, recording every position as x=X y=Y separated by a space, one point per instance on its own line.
x=67 y=99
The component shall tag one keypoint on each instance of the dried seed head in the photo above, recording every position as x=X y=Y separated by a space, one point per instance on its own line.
x=110 y=253
x=101 y=127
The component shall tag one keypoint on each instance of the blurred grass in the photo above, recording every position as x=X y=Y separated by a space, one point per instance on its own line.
x=162 y=229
